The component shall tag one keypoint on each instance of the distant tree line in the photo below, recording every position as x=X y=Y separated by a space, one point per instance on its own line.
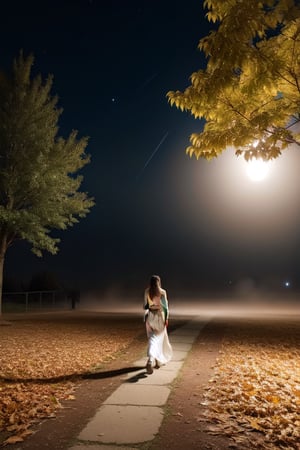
x=41 y=281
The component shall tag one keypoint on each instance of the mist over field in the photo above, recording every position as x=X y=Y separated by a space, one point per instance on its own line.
x=212 y=305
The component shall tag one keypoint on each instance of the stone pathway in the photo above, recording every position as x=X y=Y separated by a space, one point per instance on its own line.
x=132 y=415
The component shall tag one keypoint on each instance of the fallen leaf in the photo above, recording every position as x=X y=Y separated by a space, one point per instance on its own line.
x=13 y=440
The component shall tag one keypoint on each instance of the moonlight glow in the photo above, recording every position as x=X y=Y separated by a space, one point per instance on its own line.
x=257 y=170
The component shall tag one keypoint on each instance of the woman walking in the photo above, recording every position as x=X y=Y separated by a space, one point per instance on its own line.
x=156 y=319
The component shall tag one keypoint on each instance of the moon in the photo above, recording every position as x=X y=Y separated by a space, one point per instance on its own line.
x=257 y=169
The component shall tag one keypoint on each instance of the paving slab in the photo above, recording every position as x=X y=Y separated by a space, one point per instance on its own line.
x=172 y=365
x=118 y=424
x=184 y=339
x=101 y=447
x=178 y=355
x=133 y=413
x=128 y=394
x=159 y=377
x=186 y=332
x=181 y=346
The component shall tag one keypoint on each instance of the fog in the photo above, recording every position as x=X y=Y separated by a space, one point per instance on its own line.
x=206 y=307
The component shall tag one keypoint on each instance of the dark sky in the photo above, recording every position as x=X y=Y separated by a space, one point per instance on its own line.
x=195 y=223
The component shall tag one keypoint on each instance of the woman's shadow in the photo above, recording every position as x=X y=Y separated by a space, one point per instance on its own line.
x=82 y=376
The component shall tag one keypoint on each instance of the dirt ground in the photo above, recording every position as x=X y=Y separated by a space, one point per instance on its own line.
x=182 y=426
x=60 y=432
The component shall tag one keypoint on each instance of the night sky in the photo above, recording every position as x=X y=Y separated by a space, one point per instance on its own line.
x=200 y=225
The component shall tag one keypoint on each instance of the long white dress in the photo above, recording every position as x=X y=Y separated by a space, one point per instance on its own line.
x=157 y=312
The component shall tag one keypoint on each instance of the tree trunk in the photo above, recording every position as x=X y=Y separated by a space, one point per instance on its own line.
x=2 y=255
x=1 y=281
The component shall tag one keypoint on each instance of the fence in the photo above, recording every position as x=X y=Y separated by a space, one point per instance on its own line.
x=34 y=301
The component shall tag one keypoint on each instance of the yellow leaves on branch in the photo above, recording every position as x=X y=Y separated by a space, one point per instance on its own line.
x=256 y=386
x=249 y=89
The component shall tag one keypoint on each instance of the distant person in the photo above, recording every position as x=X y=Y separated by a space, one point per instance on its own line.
x=156 y=320
x=74 y=295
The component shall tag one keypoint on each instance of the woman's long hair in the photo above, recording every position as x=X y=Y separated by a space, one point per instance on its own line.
x=154 y=287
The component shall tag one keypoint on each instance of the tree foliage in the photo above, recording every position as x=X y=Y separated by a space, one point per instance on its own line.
x=249 y=92
x=39 y=183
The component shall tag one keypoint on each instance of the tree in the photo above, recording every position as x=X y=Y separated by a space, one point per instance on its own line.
x=39 y=184
x=249 y=92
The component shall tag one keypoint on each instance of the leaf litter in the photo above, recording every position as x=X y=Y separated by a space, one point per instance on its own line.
x=254 y=395
x=33 y=352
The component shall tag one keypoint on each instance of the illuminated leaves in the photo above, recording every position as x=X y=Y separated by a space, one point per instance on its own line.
x=35 y=351
x=256 y=387
x=249 y=89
